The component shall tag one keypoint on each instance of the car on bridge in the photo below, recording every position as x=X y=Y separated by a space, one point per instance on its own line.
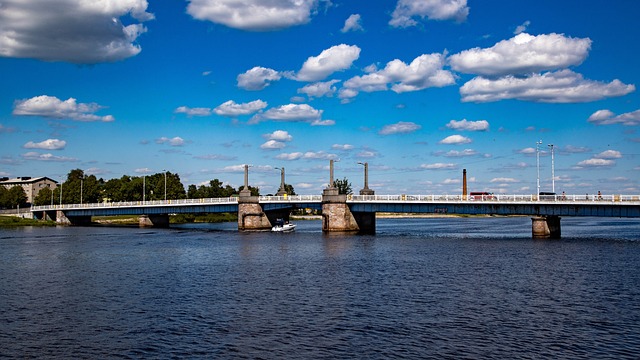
x=481 y=195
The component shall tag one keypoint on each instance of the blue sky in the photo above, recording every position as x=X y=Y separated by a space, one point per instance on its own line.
x=419 y=89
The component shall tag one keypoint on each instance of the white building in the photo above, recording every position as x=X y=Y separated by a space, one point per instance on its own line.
x=31 y=186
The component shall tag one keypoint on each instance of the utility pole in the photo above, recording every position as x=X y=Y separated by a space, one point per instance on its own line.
x=538 y=166
x=553 y=176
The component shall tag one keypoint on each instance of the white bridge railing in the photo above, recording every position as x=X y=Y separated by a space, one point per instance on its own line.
x=496 y=198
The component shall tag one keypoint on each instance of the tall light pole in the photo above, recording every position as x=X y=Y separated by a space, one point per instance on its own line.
x=144 y=192
x=61 y=193
x=282 y=191
x=553 y=175
x=165 y=185
x=538 y=166
x=81 y=184
x=365 y=190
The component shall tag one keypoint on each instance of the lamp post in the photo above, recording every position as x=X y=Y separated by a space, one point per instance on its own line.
x=553 y=176
x=538 y=166
x=282 y=191
x=165 y=185
x=61 y=193
x=365 y=190
x=144 y=192
x=81 y=184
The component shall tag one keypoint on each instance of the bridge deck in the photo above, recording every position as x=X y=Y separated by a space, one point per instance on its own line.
x=568 y=205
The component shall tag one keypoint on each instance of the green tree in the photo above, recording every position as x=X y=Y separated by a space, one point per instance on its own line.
x=289 y=189
x=44 y=197
x=344 y=186
x=14 y=197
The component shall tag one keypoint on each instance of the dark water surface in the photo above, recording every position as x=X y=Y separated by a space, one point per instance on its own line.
x=421 y=288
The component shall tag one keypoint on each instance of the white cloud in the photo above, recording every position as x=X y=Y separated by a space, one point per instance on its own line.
x=402 y=127
x=527 y=151
x=425 y=71
x=292 y=113
x=175 y=141
x=455 y=140
x=352 y=24
x=46 y=157
x=193 y=111
x=438 y=166
x=323 y=123
x=456 y=153
x=52 y=107
x=343 y=147
x=432 y=9
x=335 y=58
x=232 y=109
x=609 y=154
x=309 y=155
x=522 y=28
x=319 y=89
x=480 y=125
x=273 y=145
x=504 y=180
x=278 y=135
x=596 y=163
x=257 y=78
x=253 y=15
x=49 y=144
x=564 y=86
x=76 y=31
x=523 y=54
x=607 y=117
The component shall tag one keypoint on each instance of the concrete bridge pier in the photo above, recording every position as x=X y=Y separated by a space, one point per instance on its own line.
x=155 y=220
x=250 y=215
x=545 y=227
x=63 y=219
x=338 y=217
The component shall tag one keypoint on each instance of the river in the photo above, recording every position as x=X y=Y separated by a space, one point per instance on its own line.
x=451 y=288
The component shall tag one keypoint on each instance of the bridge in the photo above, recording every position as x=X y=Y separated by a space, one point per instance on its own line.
x=356 y=213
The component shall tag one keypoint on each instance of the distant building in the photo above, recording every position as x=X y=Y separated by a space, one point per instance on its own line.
x=31 y=186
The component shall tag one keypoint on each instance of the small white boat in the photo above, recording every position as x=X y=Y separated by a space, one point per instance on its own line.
x=282 y=226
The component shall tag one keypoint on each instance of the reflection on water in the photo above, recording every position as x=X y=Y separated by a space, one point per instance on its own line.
x=438 y=288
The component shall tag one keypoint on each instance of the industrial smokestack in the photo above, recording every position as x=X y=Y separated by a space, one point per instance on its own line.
x=464 y=184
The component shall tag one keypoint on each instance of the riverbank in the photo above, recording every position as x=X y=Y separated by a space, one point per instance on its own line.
x=15 y=221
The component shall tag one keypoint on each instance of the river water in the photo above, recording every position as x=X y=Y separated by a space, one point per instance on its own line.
x=453 y=288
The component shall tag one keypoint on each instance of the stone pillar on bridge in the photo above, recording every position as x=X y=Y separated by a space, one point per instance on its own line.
x=336 y=215
x=251 y=217
x=63 y=219
x=545 y=227
x=154 y=220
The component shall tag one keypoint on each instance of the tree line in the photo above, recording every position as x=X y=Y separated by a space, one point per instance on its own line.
x=82 y=188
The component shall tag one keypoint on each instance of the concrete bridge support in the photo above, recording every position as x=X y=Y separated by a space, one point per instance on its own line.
x=156 y=220
x=63 y=219
x=338 y=217
x=250 y=215
x=545 y=227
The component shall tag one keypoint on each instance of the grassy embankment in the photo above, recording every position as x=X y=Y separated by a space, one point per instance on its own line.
x=173 y=219
x=14 y=221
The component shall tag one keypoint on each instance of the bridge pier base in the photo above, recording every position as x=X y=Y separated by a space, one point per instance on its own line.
x=159 y=220
x=250 y=215
x=63 y=219
x=545 y=227
x=338 y=217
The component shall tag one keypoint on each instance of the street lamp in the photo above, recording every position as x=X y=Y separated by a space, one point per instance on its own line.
x=165 y=185
x=282 y=191
x=365 y=190
x=81 y=184
x=553 y=176
x=61 y=193
x=144 y=190
x=538 y=165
